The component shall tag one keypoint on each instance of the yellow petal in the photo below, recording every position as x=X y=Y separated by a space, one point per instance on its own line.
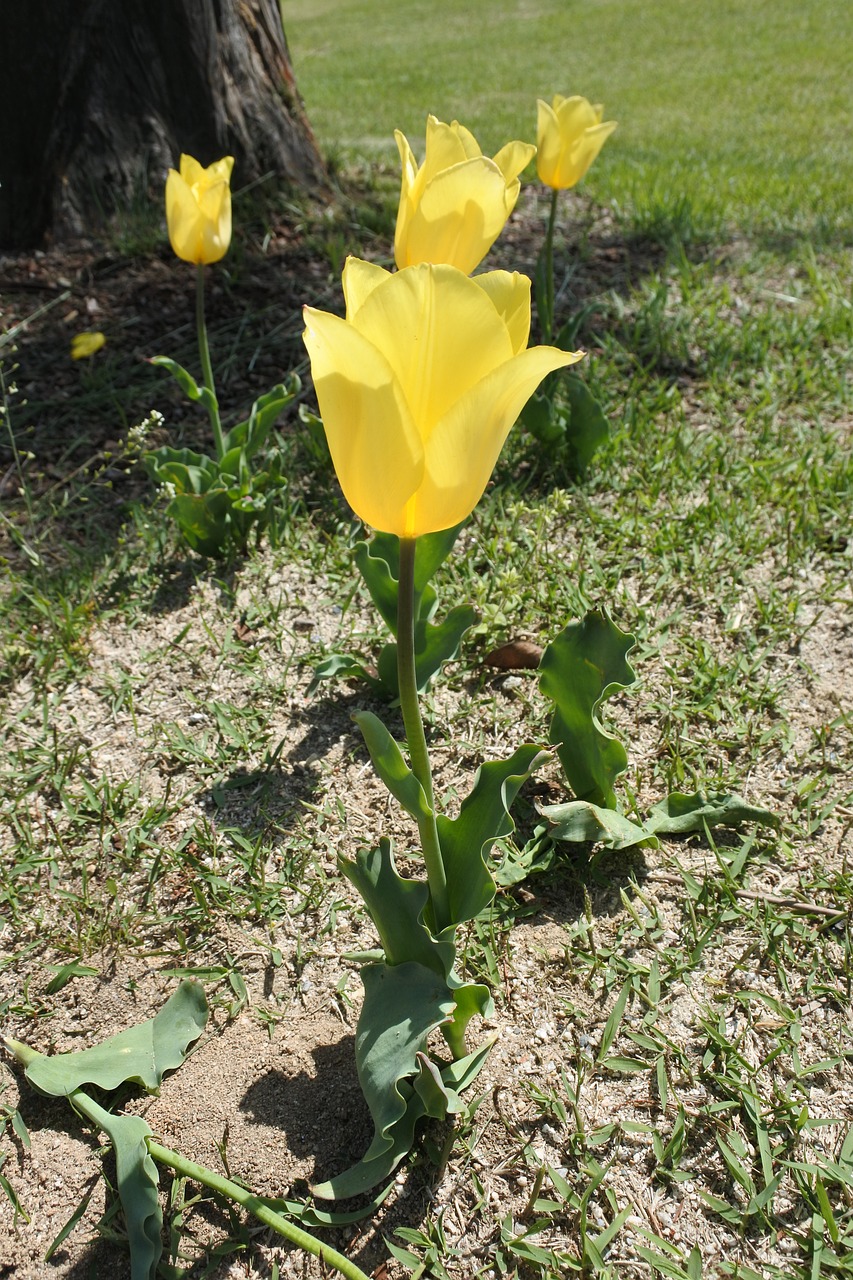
x=574 y=115
x=474 y=430
x=444 y=147
x=359 y=280
x=547 y=143
x=440 y=333
x=461 y=213
x=470 y=145
x=375 y=448
x=569 y=136
x=513 y=158
x=84 y=345
x=182 y=217
x=191 y=170
x=198 y=209
x=510 y=295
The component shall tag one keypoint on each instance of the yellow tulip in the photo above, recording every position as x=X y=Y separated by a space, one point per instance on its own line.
x=453 y=208
x=570 y=135
x=84 y=345
x=198 y=209
x=419 y=386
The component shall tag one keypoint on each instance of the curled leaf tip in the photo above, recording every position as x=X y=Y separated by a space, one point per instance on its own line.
x=20 y=1052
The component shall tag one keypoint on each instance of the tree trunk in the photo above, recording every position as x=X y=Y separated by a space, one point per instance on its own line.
x=98 y=98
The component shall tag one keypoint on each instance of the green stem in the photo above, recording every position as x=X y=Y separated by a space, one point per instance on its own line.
x=415 y=737
x=206 y=367
x=255 y=1205
x=548 y=321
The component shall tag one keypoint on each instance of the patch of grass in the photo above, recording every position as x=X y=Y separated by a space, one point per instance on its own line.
x=735 y=111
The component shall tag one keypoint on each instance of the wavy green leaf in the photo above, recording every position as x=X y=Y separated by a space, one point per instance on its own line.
x=253 y=431
x=679 y=814
x=396 y=907
x=389 y=764
x=587 y=427
x=384 y=1154
x=403 y=1003
x=483 y=818
x=186 y=382
x=584 y=822
x=136 y=1175
x=583 y=666
x=435 y=644
x=140 y=1055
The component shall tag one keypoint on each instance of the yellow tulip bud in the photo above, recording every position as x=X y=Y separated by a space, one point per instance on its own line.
x=419 y=386
x=570 y=135
x=198 y=209
x=84 y=345
x=453 y=208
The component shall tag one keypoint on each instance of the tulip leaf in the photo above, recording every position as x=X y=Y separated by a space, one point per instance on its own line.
x=396 y=906
x=402 y=1004
x=136 y=1175
x=139 y=1055
x=344 y=666
x=201 y=518
x=378 y=561
x=515 y=865
x=389 y=764
x=584 y=665
x=680 y=814
x=187 y=382
x=483 y=818
x=587 y=427
x=542 y=420
x=252 y=433
x=583 y=822
x=435 y=644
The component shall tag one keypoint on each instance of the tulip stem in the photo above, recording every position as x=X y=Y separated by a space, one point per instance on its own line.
x=415 y=736
x=206 y=367
x=547 y=321
x=255 y=1205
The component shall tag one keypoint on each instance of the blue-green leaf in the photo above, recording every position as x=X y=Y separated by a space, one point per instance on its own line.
x=579 y=669
x=141 y=1054
x=584 y=822
x=396 y=907
x=435 y=644
x=389 y=764
x=387 y=1150
x=679 y=814
x=587 y=427
x=136 y=1175
x=186 y=382
x=254 y=430
x=483 y=818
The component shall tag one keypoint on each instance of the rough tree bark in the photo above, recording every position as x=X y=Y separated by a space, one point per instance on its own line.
x=99 y=97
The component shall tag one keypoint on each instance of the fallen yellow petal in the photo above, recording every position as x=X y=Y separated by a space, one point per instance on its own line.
x=84 y=345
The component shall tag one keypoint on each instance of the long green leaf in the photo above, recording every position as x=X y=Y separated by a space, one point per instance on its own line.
x=679 y=814
x=483 y=818
x=140 y=1054
x=579 y=669
x=137 y=1186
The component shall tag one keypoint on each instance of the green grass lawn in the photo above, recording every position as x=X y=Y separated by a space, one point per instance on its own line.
x=744 y=107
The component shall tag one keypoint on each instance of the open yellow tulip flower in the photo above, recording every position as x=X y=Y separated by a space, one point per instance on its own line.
x=570 y=134
x=198 y=209
x=453 y=208
x=419 y=386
